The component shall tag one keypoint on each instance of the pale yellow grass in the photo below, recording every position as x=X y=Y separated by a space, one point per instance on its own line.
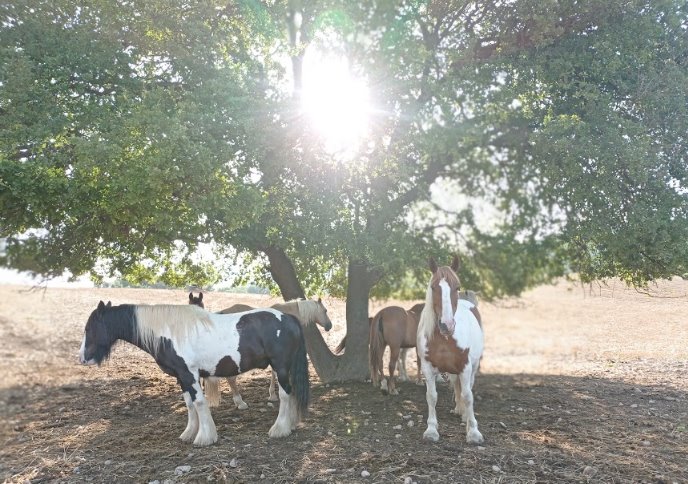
x=560 y=329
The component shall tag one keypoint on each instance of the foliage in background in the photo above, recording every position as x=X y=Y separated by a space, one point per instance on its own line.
x=127 y=129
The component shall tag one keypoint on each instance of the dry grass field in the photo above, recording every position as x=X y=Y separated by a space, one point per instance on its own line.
x=577 y=385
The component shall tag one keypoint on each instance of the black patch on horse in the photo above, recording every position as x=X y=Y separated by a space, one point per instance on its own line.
x=226 y=367
x=174 y=365
x=265 y=339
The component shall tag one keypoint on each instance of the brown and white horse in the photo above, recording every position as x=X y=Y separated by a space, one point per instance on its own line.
x=305 y=311
x=450 y=340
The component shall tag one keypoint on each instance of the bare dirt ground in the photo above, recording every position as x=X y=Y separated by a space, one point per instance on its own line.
x=576 y=386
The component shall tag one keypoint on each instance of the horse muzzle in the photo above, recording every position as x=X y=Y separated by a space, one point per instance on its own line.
x=85 y=362
x=446 y=329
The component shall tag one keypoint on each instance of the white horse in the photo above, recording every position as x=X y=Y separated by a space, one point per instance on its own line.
x=450 y=340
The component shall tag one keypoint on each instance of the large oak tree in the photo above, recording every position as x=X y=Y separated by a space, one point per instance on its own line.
x=128 y=129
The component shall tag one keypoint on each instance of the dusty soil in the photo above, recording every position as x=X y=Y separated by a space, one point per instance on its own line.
x=577 y=385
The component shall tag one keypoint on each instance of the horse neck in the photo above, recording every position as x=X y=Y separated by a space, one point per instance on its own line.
x=298 y=309
x=120 y=322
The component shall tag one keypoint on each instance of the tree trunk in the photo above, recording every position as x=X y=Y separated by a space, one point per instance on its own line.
x=353 y=364
x=283 y=273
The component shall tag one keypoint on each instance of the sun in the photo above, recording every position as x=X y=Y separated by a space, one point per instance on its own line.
x=336 y=103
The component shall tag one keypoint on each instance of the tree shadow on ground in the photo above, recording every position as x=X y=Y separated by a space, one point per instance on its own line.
x=538 y=428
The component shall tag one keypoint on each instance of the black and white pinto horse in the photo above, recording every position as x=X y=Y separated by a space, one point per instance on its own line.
x=188 y=343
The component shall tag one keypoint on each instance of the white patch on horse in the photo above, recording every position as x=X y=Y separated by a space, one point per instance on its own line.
x=278 y=332
x=468 y=331
x=82 y=351
x=447 y=316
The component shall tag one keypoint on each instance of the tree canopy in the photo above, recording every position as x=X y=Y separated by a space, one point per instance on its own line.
x=533 y=137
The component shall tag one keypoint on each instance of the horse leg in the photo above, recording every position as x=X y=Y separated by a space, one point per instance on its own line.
x=283 y=425
x=272 y=394
x=473 y=435
x=211 y=386
x=458 y=402
x=377 y=377
x=200 y=426
x=419 y=381
x=393 y=358
x=207 y=432
x=431 y=397
x=236 y=394
x=403 y=376
x=192 y=423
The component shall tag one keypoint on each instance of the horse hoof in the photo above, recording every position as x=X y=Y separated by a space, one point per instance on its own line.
x=474 y=437
x=186 y=438
x=242 y=406
x=273 y=398
x=279 y=432
x=431 y=435
x=203 y=441
x=188 y=435
x=394 y=392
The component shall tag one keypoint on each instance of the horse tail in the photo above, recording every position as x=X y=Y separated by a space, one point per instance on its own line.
x=376 y=344
x=212 y=391
x=341 y=346
x=299 y=377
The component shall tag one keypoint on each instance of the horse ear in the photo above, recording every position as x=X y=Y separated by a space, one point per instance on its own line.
x=432 y=264
x=319 y=300
x=191 y=296
x=109 y=304
x=101 y=306
x=200 y=296
x=456 y=263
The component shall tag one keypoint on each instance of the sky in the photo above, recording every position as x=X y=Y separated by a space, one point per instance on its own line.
x=10 y=276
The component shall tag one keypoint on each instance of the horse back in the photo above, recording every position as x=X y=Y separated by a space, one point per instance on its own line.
x=267 y=337
x=396 y=326
x=237 y=308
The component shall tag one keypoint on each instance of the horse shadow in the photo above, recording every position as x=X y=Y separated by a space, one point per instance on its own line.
x=537 y=428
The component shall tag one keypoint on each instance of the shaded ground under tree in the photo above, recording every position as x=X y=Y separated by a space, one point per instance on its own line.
x=574 y=388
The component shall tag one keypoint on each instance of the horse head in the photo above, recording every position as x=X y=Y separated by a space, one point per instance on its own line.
x=97 y=342
x=322 y=317
x=198 y=301
x=445 y=286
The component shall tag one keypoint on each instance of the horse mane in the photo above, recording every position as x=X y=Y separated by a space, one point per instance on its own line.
x=305 y=310
x=170 y=320
x=309 y=310
x=428 y=319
